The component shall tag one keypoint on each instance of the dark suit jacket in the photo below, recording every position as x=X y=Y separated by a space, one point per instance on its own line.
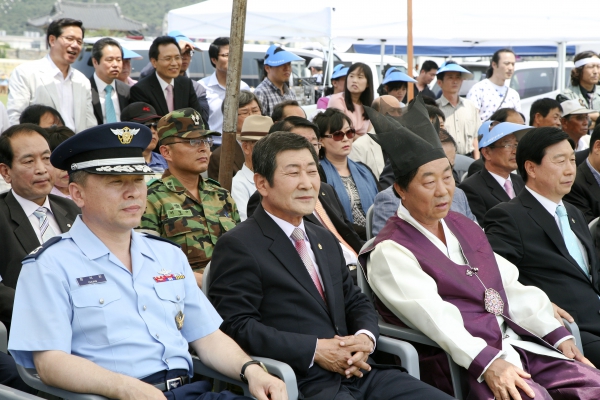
x=484 y=192
x=580 y=156
x=270 y=305
x=149 y=91
x=215 y=159
x=332 y=206
x=475 y=167
x=18 y=236
x=526 y=234
x=585 y=193
x=122 y=93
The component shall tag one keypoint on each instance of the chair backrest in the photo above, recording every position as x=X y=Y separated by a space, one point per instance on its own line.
x=369 y=224
x=361 y=279
x=3 y=339
x=205 y=279
x=462 y=164
x=593 y=225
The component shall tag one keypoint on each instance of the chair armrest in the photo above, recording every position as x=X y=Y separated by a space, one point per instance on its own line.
x=408 y=334
x=202 y=369
x=284 y=372
x=406 y=352
x=32 y=379
x=8 y=393
x=3 y=339
x=574 y=329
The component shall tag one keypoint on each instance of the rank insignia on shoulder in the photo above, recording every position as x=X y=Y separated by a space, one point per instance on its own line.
x=40 y=249
x=214 y=182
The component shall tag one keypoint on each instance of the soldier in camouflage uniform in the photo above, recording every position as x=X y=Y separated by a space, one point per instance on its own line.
x=182 y=206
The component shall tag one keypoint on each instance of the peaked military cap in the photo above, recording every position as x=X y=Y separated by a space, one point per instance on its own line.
x=183 y=123
x=108 y=149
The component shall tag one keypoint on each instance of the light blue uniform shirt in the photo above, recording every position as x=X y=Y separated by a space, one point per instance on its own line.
x=127 y=324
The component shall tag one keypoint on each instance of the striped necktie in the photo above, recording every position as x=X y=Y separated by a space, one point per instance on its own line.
x=46 y=231
x=300 y=244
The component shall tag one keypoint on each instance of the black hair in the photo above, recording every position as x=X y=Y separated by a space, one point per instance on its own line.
x=57 y=135
x=6 y=151
x=440 y=75
x=264 y=154
x=366 y=97
x=445 y=137
x=532 y=147
x=576 y=72
x=245 y=97
x=391 y=86
x=543 y=107
x=331 y=120
x=34 y=113
x=101 y=44
x=429 y=101
x=154 y=52
x=292 y=122
x=404 y=180
x=434 y=111
x=496 y=59
x=215 y=48
x=595 y=136
x=502 y=114
x=429 y=65
x=277 y=114
x=56 y=28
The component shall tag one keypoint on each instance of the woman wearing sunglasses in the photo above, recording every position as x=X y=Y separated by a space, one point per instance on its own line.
x=353 y=182
x=357 y=92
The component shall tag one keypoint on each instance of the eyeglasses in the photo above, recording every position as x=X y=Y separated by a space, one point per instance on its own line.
x=224 y=55
x=151 y=124
x=197 y=142
x=245 y=113
x=170 y=59
x=506 y=146
x=71 y=39
x=339 y=135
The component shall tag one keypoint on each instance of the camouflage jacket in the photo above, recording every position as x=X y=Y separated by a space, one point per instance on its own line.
x=174 y=213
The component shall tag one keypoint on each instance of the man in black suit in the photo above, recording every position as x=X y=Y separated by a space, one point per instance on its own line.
x=25 y=164
x=547 y=238
x=165 y=89
x=495 y=183
x=107 y=58
x=284 y=291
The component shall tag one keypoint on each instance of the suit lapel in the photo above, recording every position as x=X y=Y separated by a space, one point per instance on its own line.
x=157 y=92
x=179 y=93
x=50 y=87
x=62 y=218
x=496 y=190
x=24 y=231
x=96 y=101
x=518 y=184
x=122 y=94
x=592 y=183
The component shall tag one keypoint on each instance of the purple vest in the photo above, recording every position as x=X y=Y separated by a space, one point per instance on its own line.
x=454 y=285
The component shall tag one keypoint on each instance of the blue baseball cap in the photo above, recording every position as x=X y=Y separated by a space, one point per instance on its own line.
x=501 y=130
x=395 y=75
x=277 y=56
x=180 y=37
x=339 y=71
x=128 y=54
x=108 y=149
x=454 y=67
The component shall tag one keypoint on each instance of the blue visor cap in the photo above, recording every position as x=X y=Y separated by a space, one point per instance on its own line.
x=339 y=71
x=501 y=130
x=128 y=54
x=276 y=56
x=464 y=73
x=395 y=75
x=180 y=37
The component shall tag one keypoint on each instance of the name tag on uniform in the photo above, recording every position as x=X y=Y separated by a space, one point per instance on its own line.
x=89 y=280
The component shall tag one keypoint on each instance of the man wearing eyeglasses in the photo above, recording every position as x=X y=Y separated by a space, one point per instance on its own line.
x=52 y=82
x=166 y=90
x=182 y=206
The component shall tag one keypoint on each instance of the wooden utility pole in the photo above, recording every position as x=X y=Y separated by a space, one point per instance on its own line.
x=409 y=48
x=234 y=75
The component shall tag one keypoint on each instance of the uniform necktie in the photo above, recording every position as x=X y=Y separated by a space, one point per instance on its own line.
x=570 y=238
x=169 y=98
x=509 y=189
x=300 y=244
x=46 y=231
x=111 y=115
x=329 y=225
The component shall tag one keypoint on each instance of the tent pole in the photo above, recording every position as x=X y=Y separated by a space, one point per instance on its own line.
x=561 y=56
x=409 y=48
x=234 y=74
x=382 y=52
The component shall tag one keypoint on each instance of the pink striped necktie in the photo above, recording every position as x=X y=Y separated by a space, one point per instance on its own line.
x=300 y=244
x=509 y=189
x=169 y=97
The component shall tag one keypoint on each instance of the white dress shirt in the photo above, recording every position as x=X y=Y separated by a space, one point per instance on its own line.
x=163 y=86
x=29 y=207
x=501 y=181
x=101 y=85
x=288 y=229
x=64 y=86
x=215 y=95
x=242 y=187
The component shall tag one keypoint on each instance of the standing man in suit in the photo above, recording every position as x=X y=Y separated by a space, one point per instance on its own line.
x=495 y=183
x=284 y=291
x=547 y=238
x=109 y=95
x=165 y=89
x=51 y=81
x=32 y=214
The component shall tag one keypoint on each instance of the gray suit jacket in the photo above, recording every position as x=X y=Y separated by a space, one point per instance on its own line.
x=386 y=204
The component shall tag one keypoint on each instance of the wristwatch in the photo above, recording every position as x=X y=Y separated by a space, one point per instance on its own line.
x=243 y=377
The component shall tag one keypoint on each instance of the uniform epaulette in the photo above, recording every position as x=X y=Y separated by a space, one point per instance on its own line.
x=162 y=239
x=214 y=182
x=39 y=250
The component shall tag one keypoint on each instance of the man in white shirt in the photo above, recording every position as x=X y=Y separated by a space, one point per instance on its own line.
x=215 y=84
x=51 y=81
x=491 y=94
x=109 y=94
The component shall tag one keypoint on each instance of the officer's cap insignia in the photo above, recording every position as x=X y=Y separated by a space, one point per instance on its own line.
x=125 y=134
x=196 y=118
